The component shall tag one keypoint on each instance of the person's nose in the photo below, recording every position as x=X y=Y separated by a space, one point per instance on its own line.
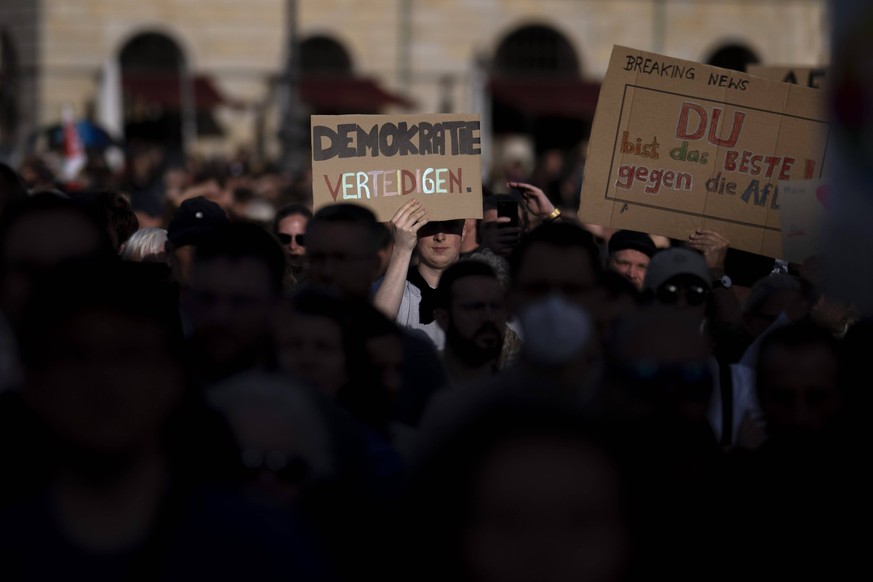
x=439 y=236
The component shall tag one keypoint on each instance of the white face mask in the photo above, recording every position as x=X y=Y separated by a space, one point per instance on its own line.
x=555 y=330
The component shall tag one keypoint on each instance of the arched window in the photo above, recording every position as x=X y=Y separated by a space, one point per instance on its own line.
x=537 y=89
x=535 y=51
x=164 y=101
x=151 y=71
x=321 y=55
x=734 y=57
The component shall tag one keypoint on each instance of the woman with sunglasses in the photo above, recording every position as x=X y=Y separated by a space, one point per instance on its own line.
x=289 y=226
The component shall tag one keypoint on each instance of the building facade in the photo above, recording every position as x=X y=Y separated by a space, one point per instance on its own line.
x=211 y=71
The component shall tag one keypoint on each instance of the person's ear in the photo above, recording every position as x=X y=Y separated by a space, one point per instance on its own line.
x=441 y=316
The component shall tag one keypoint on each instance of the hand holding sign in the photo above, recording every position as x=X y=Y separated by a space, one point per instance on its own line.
x=406 y=222
x=712 y=244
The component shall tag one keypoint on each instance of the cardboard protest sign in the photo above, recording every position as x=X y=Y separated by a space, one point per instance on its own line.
x=677 y=145
x=813 y=77
x=381 y=161
x=803 y=206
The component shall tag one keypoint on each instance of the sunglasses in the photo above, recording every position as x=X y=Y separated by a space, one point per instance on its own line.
x=694 y=294
x=286 y=239
x=443 y=226
x=288 y=468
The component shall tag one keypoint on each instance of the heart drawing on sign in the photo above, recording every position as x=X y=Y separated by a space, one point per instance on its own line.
x=822 y=194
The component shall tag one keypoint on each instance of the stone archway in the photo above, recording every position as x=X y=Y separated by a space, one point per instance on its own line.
x=149 y=60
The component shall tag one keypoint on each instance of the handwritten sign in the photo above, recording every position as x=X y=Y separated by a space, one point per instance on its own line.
x=678 y=145
x=804 y=205
x=381 y=161
x=813 y=77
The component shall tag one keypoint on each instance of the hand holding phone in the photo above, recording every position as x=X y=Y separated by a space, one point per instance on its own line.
x=508 y=209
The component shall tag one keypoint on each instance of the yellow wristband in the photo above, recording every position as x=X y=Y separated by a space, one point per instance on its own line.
x=555 y=214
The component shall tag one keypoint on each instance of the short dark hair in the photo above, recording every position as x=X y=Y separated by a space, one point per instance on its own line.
x=290 y=210
x=114 y=211
x=243 y=240
x=349 y=213
x=559 y=234
x=455 y=272
x=796 y=334
x=45 y=201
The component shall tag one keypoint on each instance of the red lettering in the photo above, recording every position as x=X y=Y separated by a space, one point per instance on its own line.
x=682 y=128
x=334 y=191
x=735 y=130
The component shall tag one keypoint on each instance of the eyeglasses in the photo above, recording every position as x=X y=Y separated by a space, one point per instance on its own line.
x=288 y=468
x=286 y=239
x=694 y=294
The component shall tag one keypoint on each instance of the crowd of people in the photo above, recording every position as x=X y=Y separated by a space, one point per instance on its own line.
x=204 y=377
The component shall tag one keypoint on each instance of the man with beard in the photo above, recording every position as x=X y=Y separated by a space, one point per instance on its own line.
x=471 y=309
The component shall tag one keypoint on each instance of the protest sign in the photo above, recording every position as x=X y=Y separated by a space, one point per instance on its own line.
x=813 y=77
x=381 y=161
x=803 y=206
x=677 y=145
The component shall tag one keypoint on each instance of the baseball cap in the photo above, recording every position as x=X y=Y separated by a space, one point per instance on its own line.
x=668 y=263
x=193 y=219
x=631 y=239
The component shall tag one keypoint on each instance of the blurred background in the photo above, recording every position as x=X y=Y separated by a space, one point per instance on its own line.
x=238 y=79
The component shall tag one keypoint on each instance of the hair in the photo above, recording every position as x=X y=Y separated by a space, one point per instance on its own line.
x=144 y=243
x=90 y=283
x=290 y=210
x=796 y=334
x=47 y=201
x=347 y=213
x=456 y=272
x=439 y=498
x=765 y=287
x=495 y=261
x=559 y=234
x=115 y=213
x=244 y=240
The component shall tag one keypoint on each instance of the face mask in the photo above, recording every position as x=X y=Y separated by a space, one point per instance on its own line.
x=554 y=330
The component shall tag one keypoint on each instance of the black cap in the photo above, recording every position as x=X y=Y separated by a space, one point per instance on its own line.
x=193 y=219
x=632 y=239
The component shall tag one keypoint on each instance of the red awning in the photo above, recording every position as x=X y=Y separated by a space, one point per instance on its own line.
x=164 y=89
x=570 y=98
x=348 y=95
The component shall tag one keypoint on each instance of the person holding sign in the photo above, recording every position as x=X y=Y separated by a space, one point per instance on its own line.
x=406 y=292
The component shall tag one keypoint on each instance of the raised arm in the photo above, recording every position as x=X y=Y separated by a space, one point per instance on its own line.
x=539 y=205
x=714 y=247
x=406 y=221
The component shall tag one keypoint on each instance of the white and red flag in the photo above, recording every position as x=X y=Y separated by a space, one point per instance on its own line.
x=75 y=157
